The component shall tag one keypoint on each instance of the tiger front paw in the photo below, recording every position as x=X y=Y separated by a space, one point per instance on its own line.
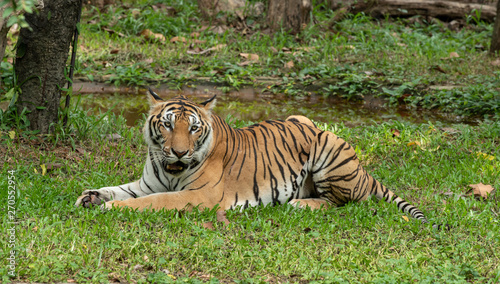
x=91 y=198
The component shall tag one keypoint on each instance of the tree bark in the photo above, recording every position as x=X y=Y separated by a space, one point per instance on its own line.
x=3 y=41
x=408 y=8
x=289 y=15
x=495 y=39
x=41 y=60
x=241 y=8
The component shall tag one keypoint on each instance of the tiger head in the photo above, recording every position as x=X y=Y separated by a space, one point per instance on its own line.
x=178 y=132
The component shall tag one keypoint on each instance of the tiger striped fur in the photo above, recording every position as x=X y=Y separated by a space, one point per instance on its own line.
x=196 y=159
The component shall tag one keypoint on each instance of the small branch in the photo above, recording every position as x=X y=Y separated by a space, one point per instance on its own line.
x=72 y=64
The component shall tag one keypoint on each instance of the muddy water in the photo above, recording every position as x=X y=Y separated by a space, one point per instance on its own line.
x=251 y=105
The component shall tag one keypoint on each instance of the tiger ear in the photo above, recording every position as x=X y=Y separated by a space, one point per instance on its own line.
x=210 y=103
x=154 y=99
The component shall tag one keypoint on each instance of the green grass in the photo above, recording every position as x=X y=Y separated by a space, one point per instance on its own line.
x=367 y=242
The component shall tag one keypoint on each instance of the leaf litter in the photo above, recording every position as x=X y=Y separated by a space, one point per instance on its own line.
x=480 y=190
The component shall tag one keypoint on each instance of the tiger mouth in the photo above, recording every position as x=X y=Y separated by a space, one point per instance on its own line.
x=176 y=167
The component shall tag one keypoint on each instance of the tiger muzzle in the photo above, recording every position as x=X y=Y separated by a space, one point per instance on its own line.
x=176 y=167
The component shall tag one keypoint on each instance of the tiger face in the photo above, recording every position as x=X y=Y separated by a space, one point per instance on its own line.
x=179 y=133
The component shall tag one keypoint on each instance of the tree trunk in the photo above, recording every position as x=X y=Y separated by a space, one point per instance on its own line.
x=3 y=42
x=406 y=8
x=289 y=15
x=495 y=39
x=210 y=8
x=41 y=60
x=241 y=8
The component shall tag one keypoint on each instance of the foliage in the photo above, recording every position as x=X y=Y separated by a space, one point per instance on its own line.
x=14 y=12
x=412 y=62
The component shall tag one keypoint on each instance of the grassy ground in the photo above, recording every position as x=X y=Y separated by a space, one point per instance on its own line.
x=417 y=62
x=431 y=166
x=368 y=242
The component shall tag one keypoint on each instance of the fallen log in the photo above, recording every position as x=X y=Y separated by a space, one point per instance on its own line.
x=407 y=8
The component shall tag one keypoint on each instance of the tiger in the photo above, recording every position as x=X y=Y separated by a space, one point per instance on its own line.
x=196 y=159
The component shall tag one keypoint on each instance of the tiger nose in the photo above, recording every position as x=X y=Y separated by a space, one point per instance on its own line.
x=179 y=154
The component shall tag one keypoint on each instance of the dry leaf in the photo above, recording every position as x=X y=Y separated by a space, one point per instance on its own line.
x=496 y=62
x=306 y=48
x=114 y=51
x=219 y=46
x=113 y=137
x=135 y=12
x=246 y=63
x=347 y=46
x=53 y=166
x=289 y=64
x=114 y=277
x=198 y=51
x=208 y=225
x=178 y=39
x=250 y=56
x=480 y=190
x=452 y=55
x=413 y=143
x=113 y=32
x=218 y=29
x=450 y=130
x=167 y=10
x=406 y=218
x=438 y=68
x=195 y=34
x=149 y=35
x=395 y=132
x=221 y=217
x=273 y=49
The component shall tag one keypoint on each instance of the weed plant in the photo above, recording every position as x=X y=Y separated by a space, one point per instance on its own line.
x=368 y=242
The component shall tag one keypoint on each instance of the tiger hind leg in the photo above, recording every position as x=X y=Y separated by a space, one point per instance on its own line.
x=338 y=176
x=311 y=203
